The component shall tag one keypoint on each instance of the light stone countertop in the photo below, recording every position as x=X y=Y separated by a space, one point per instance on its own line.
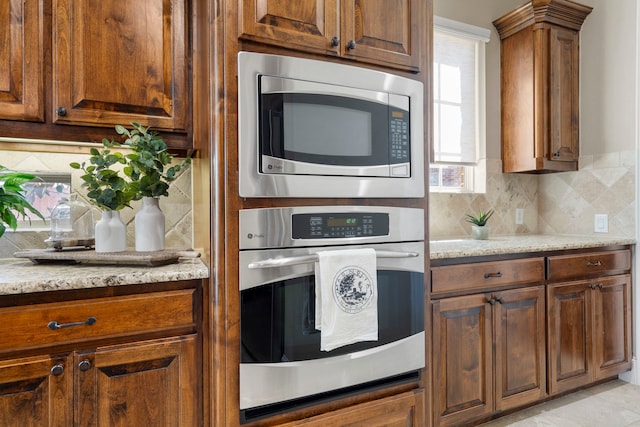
x=500 y=245
x=21 y=276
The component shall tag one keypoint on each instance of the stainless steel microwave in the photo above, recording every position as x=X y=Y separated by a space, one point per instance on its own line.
x=310 y=128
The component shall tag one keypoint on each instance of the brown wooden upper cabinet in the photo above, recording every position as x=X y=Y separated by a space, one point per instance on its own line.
x=73 y=69
x=540 y=86
x=21 y=60
x=118 y=62
x=374 y=31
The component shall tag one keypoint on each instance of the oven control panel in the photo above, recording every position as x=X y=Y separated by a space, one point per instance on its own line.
x=339 y=225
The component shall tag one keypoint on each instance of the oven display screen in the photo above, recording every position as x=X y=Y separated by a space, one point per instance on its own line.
x=342 y=222
x=339 y=225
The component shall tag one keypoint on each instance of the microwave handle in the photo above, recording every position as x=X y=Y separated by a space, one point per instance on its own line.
x=306 y=259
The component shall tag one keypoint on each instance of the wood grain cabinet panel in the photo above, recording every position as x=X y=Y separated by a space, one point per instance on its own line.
x=565 y=267
x=373 y=31
x=118 y=62
x=482 y=275
x=22 y=60
x=305 y=24
x=402 y=410
x=589 y=332
x=520 y=357
x=462 y=357
x=540 y=86
x=144 y=383
x=138 y=364
x=488 y=353
x=112 y=317
x=36 y=392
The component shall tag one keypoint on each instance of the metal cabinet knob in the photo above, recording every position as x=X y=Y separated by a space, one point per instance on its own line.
x=84 y=365
x=335 y=41
x=351 y=44
x=57 y=370
x=61 y=111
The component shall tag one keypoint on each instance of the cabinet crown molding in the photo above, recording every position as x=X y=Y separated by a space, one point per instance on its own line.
x=563 y=13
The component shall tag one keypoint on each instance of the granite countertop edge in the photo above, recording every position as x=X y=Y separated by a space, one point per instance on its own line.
x=502 y=245
x=20 y=276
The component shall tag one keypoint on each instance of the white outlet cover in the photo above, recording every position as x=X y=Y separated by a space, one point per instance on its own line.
x=601 y=223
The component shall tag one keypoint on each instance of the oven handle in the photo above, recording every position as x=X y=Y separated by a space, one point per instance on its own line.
x=307 y=259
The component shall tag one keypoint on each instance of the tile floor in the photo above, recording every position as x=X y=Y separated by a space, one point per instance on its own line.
x=613 y=404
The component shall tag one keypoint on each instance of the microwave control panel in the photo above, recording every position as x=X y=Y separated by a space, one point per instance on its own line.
x=339 y=225
x=399 y=136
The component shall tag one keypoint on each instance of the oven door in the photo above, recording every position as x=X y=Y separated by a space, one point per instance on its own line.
x=281 y=359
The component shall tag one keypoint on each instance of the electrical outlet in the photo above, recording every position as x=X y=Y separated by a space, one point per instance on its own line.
x=601 y=223
x=519 y=216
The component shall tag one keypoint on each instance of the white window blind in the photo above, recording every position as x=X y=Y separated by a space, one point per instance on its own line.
x=459 y=80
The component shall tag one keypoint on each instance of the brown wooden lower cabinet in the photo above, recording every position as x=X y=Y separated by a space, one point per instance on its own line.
x=589 y=331
x=489 y=353
x=132 y=365
x=402 y=410
x=146 y=383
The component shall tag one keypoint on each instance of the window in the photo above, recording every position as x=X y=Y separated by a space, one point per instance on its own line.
x=43 y=193
x=459 y=107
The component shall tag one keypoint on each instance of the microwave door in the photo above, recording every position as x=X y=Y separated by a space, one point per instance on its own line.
x=318 y=129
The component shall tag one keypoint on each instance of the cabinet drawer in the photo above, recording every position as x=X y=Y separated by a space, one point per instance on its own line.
x=563 y=267
x=32 y=326
x=480 y=275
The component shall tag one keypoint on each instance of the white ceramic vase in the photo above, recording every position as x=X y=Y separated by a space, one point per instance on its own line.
x=110 y=233
x=149 y=223
x=480 y=233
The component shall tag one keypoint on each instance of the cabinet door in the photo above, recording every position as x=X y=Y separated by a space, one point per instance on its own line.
x=36 y=391
x=383 y=32
x=612 y=326
x=564 y=64
x=308 y=25
x=520 y=359
x=118 y=62
x=139 y=384
x=462 y=359
x=21 y=60
x=569 y=337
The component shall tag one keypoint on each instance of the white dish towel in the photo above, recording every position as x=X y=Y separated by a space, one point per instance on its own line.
x=346 y=297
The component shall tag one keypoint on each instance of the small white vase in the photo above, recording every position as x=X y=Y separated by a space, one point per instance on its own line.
x=149 y=223
x=480 y=233
x=110 y=233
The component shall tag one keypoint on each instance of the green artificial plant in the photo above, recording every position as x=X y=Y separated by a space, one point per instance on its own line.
x=148 y=165
x=106 y=188
x=12 y=198
x=481 y=219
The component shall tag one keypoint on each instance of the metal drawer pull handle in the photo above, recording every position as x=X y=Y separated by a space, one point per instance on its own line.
x=54 y=326
x=492 y=275
x=594 y=264
x=307 y=259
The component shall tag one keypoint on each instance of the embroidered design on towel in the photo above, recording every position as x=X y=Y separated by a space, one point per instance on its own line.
x=352 y=289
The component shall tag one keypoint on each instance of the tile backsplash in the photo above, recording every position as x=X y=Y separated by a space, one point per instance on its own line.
x=557 y=203
x=177 y=207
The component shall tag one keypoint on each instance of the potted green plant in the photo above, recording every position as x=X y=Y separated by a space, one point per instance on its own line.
x=108 y=191
x=479 y=229
x=12 y=198
x=150 y=169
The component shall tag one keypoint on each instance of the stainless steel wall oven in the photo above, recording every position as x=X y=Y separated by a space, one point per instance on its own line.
x=282 y=366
